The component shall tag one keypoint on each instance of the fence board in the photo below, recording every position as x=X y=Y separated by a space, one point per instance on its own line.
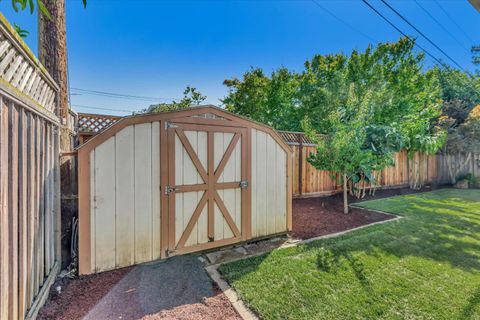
x=4 y=216
x=23 y=212
x=308 y=181
x=13 y=209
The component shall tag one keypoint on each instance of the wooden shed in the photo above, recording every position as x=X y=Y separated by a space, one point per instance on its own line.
x=156 y=185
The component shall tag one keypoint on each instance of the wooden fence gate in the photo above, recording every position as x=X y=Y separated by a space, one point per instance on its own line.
x=156 y=185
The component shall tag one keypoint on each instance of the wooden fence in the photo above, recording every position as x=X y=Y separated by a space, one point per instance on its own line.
x=29 y=179
x=430 y=169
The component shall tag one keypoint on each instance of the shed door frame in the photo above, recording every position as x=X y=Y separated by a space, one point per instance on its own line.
x=210 y=176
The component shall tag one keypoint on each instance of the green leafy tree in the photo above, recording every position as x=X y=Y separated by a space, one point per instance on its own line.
x=403 y=101
x=21 y=32
x=191 y=97
x=354 y=150
x=476 y=56
x=270 y=100
x=462 y=138
x=460 y=94
x=21 y=5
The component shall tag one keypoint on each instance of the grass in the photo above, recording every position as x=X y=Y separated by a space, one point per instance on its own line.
x=425 y=266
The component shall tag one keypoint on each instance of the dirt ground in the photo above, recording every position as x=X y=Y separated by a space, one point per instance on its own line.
x=179 y=288
x=313 y=217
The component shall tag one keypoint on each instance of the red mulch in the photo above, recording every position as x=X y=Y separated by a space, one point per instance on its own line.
x=217 y=307
x=313 y=217
x=79 y=295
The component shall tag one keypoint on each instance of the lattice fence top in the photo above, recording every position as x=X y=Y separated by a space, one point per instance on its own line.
x=293 y=138
x=21 y=71
x=94 y=123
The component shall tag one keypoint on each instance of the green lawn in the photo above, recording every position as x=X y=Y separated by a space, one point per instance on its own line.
x=424 y=266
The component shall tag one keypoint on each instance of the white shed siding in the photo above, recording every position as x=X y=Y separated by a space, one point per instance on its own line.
x=269 y=185
x=125 y=198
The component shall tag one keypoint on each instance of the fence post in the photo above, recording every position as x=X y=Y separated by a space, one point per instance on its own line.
x=300 y=162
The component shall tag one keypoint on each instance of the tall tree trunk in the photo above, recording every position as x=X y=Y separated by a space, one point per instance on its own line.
x=345 y=194
x=52 y=51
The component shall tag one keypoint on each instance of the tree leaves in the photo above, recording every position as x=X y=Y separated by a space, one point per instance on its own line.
x=31 y=5
x=191 y=97
x=21 y=32
x=43 y=9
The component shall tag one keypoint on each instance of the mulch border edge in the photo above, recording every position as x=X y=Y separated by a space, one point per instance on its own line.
x=238 y=304
x=243 y=311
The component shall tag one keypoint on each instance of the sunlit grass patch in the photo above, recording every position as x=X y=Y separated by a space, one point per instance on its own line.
x=426 y=266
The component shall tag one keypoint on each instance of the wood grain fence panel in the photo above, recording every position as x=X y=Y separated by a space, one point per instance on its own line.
x=13 y=209
x=23 y=214
x=31 y=171
x=308 y=181
x=4 y=212
x=36 y=273
x=47 y=201
x=27 y=122
x=41 y=196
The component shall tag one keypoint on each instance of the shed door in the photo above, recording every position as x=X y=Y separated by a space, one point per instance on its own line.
x=207 y=186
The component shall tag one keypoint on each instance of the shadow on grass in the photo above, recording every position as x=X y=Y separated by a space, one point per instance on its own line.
x=437 y=227
x=473 y=303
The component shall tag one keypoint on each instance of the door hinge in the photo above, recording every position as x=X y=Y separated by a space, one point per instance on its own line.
x=169 y=125
x=169 y=190
x=244 y=184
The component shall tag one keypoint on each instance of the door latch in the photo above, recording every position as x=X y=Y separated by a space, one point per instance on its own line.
x=169 y=190
x=244 y=184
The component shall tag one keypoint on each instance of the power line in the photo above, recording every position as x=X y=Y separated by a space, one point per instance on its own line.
x=343 y=21
x=99 y=108
x=422 y=34
x=405 y=35
x=441 y=26
x=401 y=32
x=119 y=95
x=453 y=21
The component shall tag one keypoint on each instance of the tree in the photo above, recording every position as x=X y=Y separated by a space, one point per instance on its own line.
x=191 y=97
x=461 y=139
x=270 y=100
x=355 y=147
x=476 y=56
x=461 y=95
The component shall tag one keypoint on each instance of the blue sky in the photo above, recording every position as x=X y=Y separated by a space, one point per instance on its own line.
x=155 y=48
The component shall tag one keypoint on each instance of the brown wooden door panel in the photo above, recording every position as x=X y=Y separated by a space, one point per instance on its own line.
x=206 y=172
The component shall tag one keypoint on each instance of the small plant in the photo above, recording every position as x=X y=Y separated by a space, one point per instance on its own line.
x=470 y=178
x=21 y=32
